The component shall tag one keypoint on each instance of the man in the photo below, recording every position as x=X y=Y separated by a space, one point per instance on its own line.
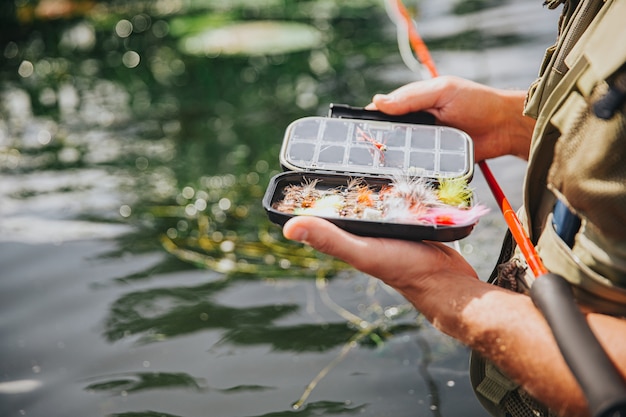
x=571 y=128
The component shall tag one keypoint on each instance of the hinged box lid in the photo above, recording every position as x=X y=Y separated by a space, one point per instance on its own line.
x=379 y=148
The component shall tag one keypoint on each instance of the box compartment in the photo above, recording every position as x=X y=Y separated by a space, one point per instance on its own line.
x=387 y=229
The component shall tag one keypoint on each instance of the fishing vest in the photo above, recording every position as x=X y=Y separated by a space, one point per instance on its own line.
x=577 y=162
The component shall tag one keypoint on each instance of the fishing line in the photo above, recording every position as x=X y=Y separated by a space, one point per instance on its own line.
x=402 y=36
x=406 y=25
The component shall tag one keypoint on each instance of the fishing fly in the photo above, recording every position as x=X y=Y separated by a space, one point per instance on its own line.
x=380 y=147
x=405 y=199
x=362 y=135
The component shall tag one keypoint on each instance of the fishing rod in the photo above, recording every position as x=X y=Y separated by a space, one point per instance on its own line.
x=512 y=221
x=598 y=378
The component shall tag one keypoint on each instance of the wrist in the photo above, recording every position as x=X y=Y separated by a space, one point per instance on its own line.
x=442 y=299
x=519 y=126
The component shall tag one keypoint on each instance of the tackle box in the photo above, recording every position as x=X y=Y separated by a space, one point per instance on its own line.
x=357 y=143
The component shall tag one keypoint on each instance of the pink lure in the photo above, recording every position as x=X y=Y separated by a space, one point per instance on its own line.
x=452 y=216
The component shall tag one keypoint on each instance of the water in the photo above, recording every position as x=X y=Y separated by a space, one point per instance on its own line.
x=139 y=275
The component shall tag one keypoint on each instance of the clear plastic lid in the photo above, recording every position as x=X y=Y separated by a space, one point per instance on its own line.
x=355 y=146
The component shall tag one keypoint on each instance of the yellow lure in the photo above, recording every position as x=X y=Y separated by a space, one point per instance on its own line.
x=454 y=192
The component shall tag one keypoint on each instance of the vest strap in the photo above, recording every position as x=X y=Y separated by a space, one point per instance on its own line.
x=496 y=385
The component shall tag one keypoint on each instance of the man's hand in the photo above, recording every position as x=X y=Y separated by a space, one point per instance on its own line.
x=492 y=117
x=409 y=267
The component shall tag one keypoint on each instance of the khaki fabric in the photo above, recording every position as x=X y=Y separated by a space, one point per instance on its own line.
x=581 y=160
x=589 y=166
x=593 y=291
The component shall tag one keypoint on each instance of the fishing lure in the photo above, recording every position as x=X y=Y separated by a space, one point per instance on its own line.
x=454 y=192
x=454 y=216
x=326 y=206
x=379 y=148
x=362 y=135
x=411 y=200
x=407 y=198
x=298 y=196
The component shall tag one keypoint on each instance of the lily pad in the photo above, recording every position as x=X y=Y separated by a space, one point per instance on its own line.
x=252 y=38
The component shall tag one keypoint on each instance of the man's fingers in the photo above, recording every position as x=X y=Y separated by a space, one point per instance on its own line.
x=383 y=258
x=324 y=237
x=409 y=98
x=374 y=256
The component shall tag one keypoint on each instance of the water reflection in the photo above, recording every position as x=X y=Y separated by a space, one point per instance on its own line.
x=169 y=312
x=124 y=384
x=321 y=408
x=162 y=313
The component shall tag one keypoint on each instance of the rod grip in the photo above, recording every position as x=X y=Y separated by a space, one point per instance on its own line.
x=603 y=386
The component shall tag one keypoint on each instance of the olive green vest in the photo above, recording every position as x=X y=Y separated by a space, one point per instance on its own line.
x=579 y=159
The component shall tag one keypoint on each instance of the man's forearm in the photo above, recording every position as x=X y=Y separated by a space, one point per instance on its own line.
x=506 y=328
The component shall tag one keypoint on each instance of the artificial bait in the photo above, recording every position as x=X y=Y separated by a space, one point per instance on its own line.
x=405 y=199
x=362 y=135
x=454 y=192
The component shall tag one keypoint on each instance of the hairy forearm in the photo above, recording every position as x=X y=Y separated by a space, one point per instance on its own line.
x=506 y=328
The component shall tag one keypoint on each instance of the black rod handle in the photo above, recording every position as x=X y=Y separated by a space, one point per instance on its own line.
x=602 y=385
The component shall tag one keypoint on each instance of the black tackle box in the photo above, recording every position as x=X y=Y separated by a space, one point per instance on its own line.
x=354 y=143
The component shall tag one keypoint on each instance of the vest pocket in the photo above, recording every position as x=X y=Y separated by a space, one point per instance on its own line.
x=592 y=290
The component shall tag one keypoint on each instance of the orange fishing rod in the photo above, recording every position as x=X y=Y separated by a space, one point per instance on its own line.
x=416 y=41
x=599 y=379
x=515 y=226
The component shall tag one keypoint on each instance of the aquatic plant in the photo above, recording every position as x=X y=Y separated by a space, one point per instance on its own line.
x=214 y=224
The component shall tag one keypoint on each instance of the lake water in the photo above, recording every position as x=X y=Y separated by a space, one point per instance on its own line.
x=139 y=275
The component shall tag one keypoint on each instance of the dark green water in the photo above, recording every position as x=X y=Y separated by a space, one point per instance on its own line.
x=139 y=275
